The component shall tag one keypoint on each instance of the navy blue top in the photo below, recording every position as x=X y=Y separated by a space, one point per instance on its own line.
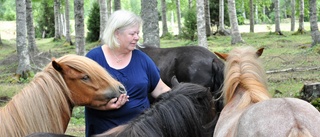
x=139 y=77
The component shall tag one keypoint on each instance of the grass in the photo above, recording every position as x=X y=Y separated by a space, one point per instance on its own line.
x=281 y=52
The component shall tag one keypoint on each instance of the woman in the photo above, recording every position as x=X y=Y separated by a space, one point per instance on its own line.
x=133 y=68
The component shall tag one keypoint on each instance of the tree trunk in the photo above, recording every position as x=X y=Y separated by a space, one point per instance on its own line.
x=251 y=16
x=164 y=18
x=117 y=5
x=221 y=30
x=207 y=17
x=109 y=7
x=0 y=40
x=277 y=16
x=315 y=34
x=56 y=20
x=24 y=67
x=150 y=27
x=79 y=27
x=201 y=24
x=68 y=36
x=235 y=34
x=244 y=9
x=301 y=17
x=190 y=4
x=103 y=16
x=293 y=14
x=178 y=16
x=30 y=29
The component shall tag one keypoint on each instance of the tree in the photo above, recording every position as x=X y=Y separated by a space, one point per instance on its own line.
x=103 y=16
x=235 y=34
x=207 y=17
x=164 y=18
x=221 y=30
x=94 y=23
x=0 y=41
x=150 y=26
x=301 y=29
x=178 y=15
x=277 y=17
x=315 y=34
x=30 y=29
x=109 y=7
x=24 y=67
x=117 y=5
x=251 y=16
x=79 y=26
x=293 y=14
x=201 y=24
x=57 y=34
x=68 y=37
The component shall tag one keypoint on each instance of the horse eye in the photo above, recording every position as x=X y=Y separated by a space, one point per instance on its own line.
x=85 y=78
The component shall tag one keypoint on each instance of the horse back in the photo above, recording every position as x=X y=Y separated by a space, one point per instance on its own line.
x=279 y=117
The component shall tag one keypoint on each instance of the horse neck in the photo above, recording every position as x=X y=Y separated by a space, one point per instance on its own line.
x=41 y=106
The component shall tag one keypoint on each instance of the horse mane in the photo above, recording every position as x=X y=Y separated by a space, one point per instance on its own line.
x=39 y=105
x=243 y=68
x=178 y=113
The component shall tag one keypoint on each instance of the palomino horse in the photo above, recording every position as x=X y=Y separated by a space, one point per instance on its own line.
x=46 y=103
x=249 y=110
x=185 y=111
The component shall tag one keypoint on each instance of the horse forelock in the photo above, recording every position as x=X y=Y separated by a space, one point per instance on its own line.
x=243 y=68
x=38 y=107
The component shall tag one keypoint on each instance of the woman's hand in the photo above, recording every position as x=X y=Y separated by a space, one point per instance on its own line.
x=114 y=103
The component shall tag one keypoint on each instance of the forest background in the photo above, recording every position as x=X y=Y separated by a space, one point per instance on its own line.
x=283 y=27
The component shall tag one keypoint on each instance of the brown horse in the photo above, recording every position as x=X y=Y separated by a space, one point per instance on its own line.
x=249 y=110
x=46 y=103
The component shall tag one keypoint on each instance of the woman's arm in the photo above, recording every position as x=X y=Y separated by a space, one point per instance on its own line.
x=160 y=88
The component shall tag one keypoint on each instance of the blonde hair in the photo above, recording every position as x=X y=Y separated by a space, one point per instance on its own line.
x=119 y=21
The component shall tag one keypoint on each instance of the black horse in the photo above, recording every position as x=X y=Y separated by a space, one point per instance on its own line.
x=192 y=64
x=185 y=111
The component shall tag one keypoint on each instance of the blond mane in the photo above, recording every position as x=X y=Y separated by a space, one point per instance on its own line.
x=243 y=68
x=39 y=105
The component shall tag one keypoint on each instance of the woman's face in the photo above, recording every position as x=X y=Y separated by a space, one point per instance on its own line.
x=128 y=38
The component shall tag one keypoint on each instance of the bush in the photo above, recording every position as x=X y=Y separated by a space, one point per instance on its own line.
x=94 y=23
x=189 y=28
x=45 y=22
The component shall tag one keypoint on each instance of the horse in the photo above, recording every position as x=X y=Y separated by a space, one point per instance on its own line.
x=194 y=64
x=45 y=104
x=185 y=111
x=250 y=111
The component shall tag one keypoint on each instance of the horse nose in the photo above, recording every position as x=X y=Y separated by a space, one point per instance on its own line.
x=122 y=89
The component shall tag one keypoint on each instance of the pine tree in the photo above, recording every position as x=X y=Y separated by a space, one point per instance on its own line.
x=94 y=23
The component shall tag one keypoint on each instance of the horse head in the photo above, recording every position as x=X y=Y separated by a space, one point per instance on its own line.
x=87 y=81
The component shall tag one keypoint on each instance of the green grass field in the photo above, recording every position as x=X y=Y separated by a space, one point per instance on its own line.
x=281 y=52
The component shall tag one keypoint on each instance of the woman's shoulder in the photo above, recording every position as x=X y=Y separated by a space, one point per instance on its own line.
x=95 y=50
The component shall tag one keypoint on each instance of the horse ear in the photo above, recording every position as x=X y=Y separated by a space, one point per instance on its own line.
x=56 y=66
x=222 y=55
x=174 y=81
x=259 y=52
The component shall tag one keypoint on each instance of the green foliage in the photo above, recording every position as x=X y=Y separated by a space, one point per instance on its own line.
x=316 y=103
x=94 y=23
x=45 y=22
x=189 y=28
x=7 y=10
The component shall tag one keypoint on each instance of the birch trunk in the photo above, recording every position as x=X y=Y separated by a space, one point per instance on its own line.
x=201 y=24
x=24 y=66
x=79 y=26
x=235 y=34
